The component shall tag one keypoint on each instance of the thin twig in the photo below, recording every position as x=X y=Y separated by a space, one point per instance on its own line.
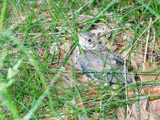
x=146 y=49
x=154 y=39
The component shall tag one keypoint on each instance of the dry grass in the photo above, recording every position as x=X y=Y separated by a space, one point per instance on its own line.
x=35 y=37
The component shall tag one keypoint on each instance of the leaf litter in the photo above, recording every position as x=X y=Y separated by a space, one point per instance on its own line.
x=148 y=71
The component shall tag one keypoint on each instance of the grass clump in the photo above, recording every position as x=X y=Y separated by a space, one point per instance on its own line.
x=33 y=82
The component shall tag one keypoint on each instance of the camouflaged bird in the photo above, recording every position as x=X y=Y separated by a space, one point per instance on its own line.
x=97 y=61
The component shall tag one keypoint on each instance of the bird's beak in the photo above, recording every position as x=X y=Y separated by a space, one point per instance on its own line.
x=79 y=36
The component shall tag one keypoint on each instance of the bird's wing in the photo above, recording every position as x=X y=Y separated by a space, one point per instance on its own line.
x=92 y=61
x=115 y=60
x=96 y=65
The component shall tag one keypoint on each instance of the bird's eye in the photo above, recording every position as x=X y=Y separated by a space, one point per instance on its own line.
x=89 y=40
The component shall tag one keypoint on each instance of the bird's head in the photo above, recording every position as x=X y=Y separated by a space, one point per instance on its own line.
x=88 y=40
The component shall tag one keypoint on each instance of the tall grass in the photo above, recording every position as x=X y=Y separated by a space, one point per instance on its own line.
x=31 y=87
